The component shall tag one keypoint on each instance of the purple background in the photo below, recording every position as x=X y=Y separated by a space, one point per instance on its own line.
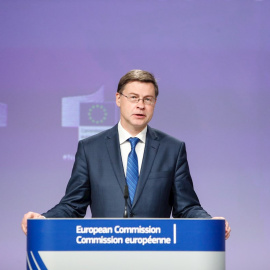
x=212 y=61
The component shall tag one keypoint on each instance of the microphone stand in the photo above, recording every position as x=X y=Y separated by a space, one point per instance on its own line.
x=126 y=195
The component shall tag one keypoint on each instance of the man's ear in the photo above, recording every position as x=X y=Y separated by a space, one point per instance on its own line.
x=117 y=99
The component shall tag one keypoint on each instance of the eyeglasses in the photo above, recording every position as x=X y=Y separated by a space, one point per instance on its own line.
x=134 y=99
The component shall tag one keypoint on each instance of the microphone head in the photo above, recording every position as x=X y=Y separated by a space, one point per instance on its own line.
x=126 y=194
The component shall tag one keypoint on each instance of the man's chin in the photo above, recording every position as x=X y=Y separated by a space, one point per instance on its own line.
x=140 y=123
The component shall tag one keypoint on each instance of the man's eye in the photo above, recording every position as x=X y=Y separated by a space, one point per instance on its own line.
x=133 y=97
x=148 y=99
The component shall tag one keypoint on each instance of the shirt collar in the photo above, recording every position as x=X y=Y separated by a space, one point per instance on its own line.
x=124 y=135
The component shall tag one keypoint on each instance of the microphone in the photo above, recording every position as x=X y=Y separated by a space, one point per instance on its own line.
x=126 y=195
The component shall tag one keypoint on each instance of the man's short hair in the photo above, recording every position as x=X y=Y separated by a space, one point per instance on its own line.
x=137 y=75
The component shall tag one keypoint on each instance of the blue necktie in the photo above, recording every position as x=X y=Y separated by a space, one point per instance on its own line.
x=132 y=175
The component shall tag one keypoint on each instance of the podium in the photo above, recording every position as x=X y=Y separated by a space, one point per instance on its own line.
x=78 y=244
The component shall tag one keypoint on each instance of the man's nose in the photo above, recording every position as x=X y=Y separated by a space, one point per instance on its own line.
x=140 y=103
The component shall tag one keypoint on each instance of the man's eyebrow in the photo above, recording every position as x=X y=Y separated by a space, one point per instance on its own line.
x=135 y=94
x=132 y=93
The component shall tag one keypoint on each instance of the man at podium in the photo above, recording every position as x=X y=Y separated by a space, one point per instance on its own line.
x=152 y=164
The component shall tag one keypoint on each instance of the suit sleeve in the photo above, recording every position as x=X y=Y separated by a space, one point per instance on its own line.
x=77 y=196
x=185 y=201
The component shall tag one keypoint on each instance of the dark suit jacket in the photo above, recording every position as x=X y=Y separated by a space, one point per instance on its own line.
x=98 y=180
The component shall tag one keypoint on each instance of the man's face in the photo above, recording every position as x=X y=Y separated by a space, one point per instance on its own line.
x=135 y=116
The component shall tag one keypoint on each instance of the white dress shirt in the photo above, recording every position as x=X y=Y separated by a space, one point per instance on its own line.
x=125 y=146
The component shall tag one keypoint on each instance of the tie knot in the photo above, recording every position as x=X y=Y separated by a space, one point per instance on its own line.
x=133 y=142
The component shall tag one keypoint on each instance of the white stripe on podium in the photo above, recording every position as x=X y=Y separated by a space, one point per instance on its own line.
x=156 y=260
x=34 y=259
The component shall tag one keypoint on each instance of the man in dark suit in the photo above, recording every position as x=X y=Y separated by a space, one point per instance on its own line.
x=151 y=163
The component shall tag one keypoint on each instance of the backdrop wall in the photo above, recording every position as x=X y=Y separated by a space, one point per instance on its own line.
x=212 y=61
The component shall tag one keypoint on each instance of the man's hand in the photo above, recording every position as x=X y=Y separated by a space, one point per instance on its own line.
x=227 y=227
x=28 y=216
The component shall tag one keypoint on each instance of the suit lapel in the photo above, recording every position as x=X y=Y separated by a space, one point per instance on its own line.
x=113 y=147
x=150 y=152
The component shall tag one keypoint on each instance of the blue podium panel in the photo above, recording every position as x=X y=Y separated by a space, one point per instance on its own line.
x=190 y=244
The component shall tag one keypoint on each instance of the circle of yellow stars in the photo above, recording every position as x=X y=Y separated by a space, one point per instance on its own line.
x=97 y=107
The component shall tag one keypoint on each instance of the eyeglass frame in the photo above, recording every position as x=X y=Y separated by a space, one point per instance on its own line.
x=138 y=99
